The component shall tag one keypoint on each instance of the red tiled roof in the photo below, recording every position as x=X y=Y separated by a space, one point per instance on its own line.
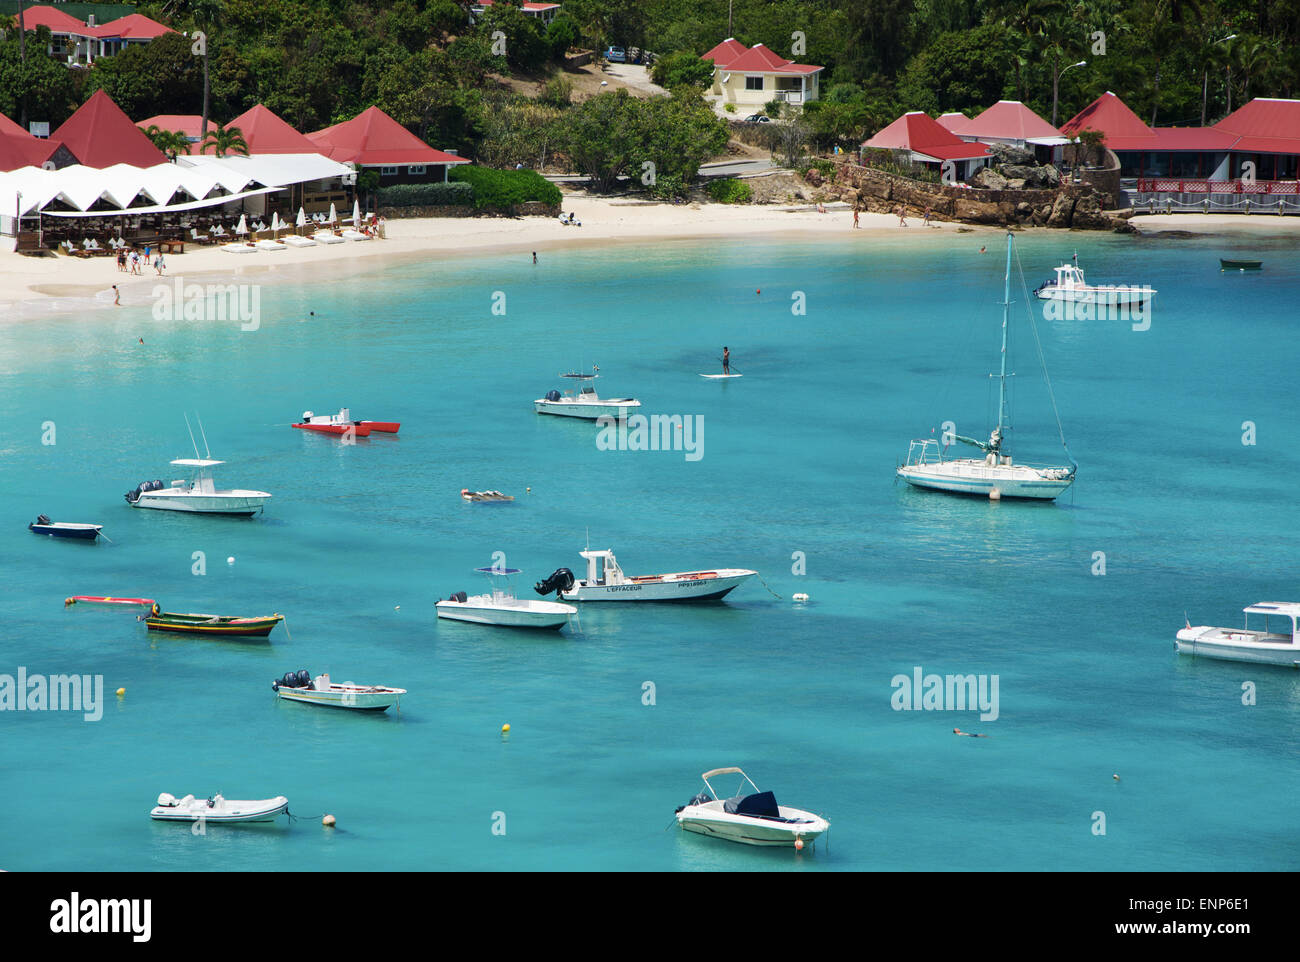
x=266 y=133
x=1008 y=120
x=7 y=126
x=99 y=134
x=135 y=26
x=920 y=133
x=1121 y=127
x=759 y=59
x=724 y=53
x=1265 y=125
x=23 y=150
x=374 y=139
x=953 y=121
x=55 y=19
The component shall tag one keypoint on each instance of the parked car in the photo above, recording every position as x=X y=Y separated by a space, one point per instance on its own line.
x=758 y=119
x=616 y=55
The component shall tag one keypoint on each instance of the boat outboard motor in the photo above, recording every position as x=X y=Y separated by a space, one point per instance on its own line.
x=703 y=798
x=552 y=395
x=459 y=596
x=304 y=678
x=560 y=580
x=41 y=519
x=133 y=496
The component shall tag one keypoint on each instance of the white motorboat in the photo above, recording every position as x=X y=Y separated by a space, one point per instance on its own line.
x=994 y=475
x=583 y=402
x=218 y=809
x=300 y=686
x=199 y=494
x=1070 y=287
x=605 y=581
x=751 y=818
x=500 y=606
x=1259 y=646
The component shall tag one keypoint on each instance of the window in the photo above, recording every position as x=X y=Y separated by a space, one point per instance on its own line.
x=415 y=169
x=388 y=171
x=753 y=83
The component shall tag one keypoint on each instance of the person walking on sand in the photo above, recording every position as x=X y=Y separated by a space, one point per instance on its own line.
x=117 y=296
x=902 y=220
x=925 y=218
x=726 y=361
x=158 y=264
x=855 y=217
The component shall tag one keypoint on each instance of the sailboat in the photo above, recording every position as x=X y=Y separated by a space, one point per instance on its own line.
x=995 y=475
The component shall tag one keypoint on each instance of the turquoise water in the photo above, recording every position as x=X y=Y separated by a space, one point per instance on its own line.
x=360 y=541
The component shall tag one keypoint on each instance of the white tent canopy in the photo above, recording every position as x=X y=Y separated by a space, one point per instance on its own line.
x=189 y=183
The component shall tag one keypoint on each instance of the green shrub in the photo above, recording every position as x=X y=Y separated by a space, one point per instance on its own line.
x=728 y=190
x=729 y=108
x=425 y=195
x=506 y=189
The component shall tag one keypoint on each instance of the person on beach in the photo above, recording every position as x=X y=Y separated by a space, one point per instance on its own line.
x=121 y=260
x=726 y=361
x=147 y=251
x=902 y=220
x=117 y=296
x=158 y=264
x=855 y=217
x=925 y=218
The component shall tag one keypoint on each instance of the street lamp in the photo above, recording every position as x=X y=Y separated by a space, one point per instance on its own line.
x=1205 y=77
x=1056 y=85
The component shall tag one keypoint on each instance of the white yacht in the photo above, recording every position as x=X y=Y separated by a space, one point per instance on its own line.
x=605 y=581
x=500 y=607
x=583 y=402
x=751 y=818
x=1070 y=287
x=1265 y=645
x=995 y=475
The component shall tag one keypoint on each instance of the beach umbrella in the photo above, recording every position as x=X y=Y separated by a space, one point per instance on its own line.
x=356 y=214
x=242 y=227
x=333 y=213
x=302 y=218
x=275 y=221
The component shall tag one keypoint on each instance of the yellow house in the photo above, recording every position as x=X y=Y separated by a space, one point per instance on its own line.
x=754 y=76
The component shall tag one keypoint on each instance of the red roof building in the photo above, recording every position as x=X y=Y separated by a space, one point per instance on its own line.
x=374 y=139
x=187 y=124
x=724 y=53
x=1010 y=121
x=81 y=43
x=266 y=133
x=99 y=134
x=758 y=75
x=922 y=135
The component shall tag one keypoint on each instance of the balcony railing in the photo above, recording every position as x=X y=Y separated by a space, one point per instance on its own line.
x=1167 y=185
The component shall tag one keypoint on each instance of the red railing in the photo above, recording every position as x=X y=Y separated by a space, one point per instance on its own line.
x=1165 y=185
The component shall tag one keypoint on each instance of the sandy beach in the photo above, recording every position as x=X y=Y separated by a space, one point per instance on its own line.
x=39 y=285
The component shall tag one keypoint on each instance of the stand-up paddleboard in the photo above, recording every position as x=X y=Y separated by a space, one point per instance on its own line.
x=719 y=377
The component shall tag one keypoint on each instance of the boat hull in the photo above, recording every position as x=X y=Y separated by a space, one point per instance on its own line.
x=688 y=586
x=355 y=699
x=981 y=480
x=213 y=625
x=1225 y=265
x=228 y=502
x=1224 y=644
x=1119 y=297
x=384 y=427
x=752 y=831
x=589 y=411
x=359 y=430
x=76 y=532
x=541 y=615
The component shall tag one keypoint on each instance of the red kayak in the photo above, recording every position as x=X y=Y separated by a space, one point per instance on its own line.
x=105 y=600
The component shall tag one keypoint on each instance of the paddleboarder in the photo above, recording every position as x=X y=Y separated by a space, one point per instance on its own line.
x=726 y=361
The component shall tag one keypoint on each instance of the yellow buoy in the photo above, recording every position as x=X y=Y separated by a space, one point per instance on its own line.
x=505 y=729
x=122 y=691
x=328 y=821
x=69 y=601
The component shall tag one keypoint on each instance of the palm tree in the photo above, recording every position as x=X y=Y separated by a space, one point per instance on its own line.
x=170 y=142
x=225 y=140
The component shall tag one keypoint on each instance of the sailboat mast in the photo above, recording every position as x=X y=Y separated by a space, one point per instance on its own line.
x=1006 y=313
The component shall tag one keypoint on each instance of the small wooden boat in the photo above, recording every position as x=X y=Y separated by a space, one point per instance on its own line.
x=469 y=495
x=218 y=809
x=65 y=529
x=300 y=686
x=258 y=627
x=1227 y=265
